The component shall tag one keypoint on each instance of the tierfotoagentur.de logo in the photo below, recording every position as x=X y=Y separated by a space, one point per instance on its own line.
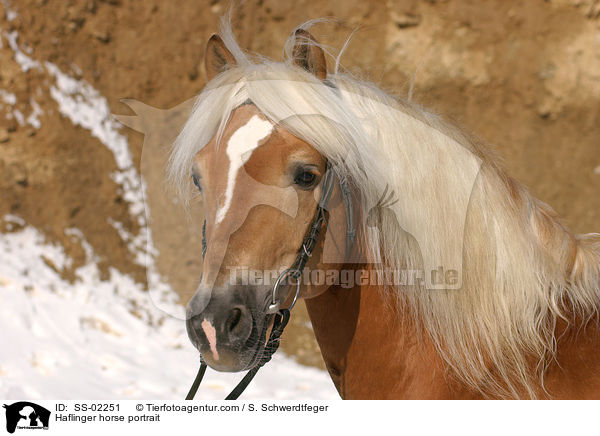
x=26 y=415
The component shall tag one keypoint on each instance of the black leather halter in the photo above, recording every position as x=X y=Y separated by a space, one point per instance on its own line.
x=282 y=316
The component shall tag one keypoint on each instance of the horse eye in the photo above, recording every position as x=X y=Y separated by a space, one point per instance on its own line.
x=196 y=181
x=305 y=179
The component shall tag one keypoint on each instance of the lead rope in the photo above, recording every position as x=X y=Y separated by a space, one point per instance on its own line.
x=282 y=316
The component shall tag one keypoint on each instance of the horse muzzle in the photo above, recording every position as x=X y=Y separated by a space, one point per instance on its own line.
x=229 y=331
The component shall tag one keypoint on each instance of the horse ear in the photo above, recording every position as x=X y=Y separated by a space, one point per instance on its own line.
x=308 y=55
x=217 y=58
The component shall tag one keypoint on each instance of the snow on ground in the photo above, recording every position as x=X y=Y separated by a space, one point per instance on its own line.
x=105 y=339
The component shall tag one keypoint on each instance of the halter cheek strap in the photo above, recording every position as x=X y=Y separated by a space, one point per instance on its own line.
x=308 y=245
x=282 y=316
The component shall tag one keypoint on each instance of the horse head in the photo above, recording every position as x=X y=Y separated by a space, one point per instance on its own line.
x=261 y=187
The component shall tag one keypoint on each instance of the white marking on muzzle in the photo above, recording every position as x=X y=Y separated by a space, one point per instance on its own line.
x=211 y=335
x=239 y=149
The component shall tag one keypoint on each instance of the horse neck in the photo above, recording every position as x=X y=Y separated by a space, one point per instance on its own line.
x=373 y=350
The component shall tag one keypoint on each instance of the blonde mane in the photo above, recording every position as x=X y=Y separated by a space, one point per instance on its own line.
x=522 y=270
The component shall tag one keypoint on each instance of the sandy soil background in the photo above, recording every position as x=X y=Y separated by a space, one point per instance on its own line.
x=522 y=75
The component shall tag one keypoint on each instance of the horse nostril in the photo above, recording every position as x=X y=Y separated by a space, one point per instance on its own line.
x=238 y=325
x=234 y=319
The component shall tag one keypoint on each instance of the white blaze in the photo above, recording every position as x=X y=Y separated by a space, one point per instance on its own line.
x=211 y=336
x=239 y=149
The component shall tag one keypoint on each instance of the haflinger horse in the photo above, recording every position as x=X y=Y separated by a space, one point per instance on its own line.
x=304 y=170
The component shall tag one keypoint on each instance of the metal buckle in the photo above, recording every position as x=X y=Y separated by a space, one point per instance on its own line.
x=275 y=304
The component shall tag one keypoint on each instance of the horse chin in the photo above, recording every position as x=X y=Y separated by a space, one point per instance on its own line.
x=227 y=362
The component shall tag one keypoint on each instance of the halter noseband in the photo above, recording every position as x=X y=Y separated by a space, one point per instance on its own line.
x=282 y=316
